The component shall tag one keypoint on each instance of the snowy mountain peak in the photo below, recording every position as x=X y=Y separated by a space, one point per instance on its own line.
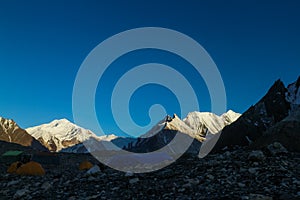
x=204 y=122
x=64 y=121
x=202 y=126
x=230 y=116
x=196 y=124
x=177 y=124
x=62 y=133
x=232 y=113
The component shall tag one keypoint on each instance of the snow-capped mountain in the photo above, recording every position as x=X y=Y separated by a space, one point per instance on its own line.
x=174 y=124
x=230 y=117
x=275 y=117
x=209 y=125
x=204 y=122
x=197 y=125
x=61 y=134
x=11 y=132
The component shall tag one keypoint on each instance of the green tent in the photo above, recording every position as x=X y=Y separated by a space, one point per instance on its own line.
x=11 y=156
x=12 y=153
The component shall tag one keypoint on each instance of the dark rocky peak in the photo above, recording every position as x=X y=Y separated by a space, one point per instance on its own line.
x=298 y=82
x=168 y=118
x=275 y=102
x=271 y=109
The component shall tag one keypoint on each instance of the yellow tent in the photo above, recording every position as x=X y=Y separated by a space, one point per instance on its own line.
x=31 y=169
x=13 y=167
x=85 y=165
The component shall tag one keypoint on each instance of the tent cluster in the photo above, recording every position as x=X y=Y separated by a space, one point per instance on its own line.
x=27 y=164
x=28 y=169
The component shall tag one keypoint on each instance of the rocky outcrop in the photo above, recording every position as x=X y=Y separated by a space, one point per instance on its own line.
x=270 y=110
x=11 y=132
x=287 y=132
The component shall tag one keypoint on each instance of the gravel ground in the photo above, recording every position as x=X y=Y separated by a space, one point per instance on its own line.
x=236 y=174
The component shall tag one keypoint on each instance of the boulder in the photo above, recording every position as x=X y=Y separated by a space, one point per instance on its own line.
x=94 y=170
x=256 y=156
x=276 y=149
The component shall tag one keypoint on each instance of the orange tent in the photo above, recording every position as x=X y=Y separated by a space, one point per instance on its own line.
x=31 y=169
x=13 y=167
x=85 y=165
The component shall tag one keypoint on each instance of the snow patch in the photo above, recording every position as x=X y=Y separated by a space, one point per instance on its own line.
x=293 y=94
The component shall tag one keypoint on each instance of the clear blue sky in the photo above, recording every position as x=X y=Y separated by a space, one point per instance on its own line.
x=43 y=43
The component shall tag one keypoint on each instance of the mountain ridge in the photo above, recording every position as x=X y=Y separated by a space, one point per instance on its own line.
x=278 y=109
x=61 y=134
x=11 y=132
x=279 y=104
x=197 y=125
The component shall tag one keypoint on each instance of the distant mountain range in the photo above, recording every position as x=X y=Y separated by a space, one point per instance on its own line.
x=64 y=136
x=276 y=117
